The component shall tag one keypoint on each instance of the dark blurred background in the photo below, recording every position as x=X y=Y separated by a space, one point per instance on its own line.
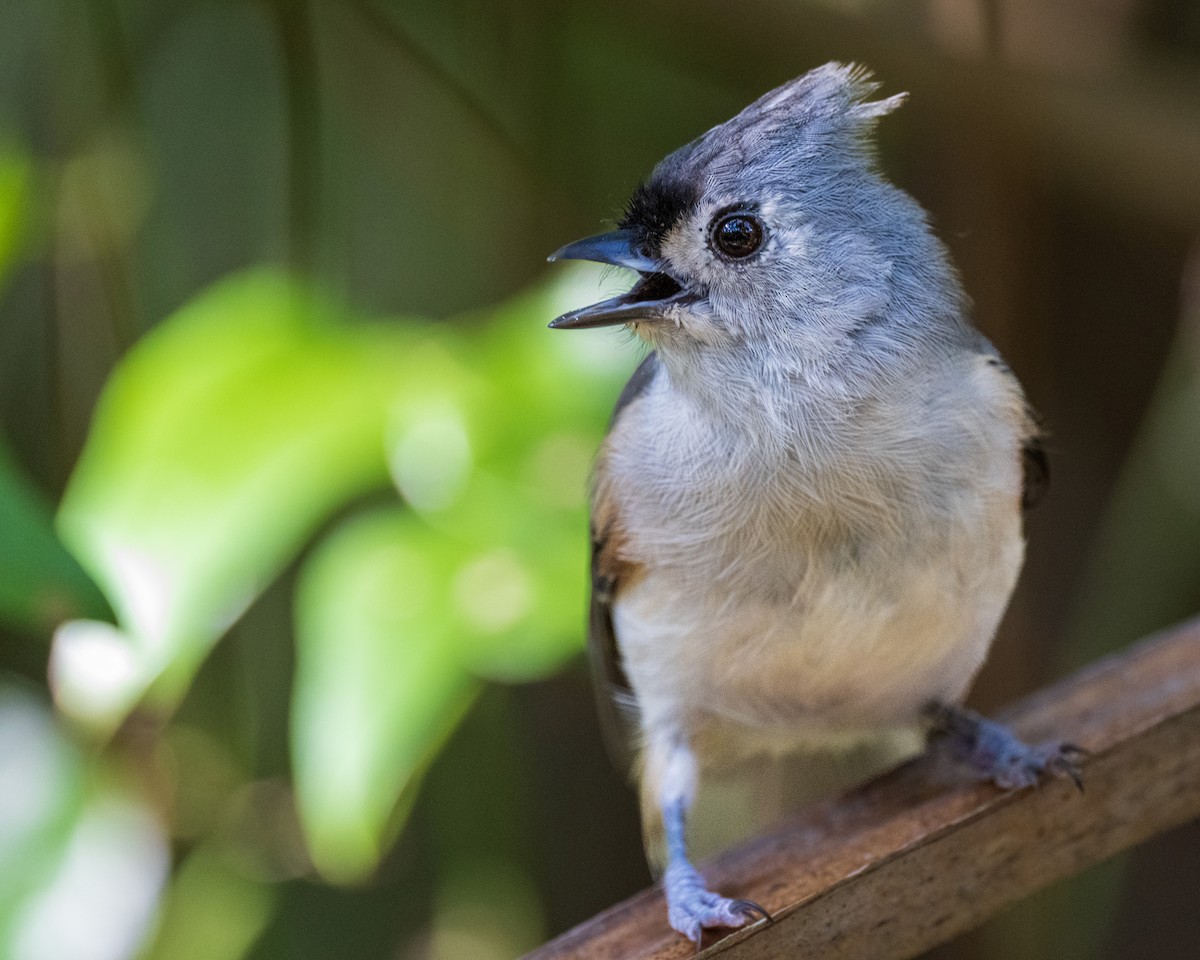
x=418 y=160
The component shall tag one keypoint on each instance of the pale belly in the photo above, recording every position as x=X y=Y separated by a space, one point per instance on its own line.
x=808 y=584
x=852 y=651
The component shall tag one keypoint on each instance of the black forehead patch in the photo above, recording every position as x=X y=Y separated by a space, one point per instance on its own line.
x=657 y=206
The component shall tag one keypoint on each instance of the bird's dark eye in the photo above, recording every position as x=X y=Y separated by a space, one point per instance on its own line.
x=736 y=235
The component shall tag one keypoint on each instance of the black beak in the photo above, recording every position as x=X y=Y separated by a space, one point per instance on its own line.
x=651 y=297
x=620 y=248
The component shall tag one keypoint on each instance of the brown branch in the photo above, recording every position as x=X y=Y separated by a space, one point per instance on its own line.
x=905 y=863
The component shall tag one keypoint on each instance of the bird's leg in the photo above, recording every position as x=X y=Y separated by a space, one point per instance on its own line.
x=997 y=754
x=691 y=906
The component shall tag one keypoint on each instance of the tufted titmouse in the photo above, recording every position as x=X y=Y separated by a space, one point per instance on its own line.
x=806 y=516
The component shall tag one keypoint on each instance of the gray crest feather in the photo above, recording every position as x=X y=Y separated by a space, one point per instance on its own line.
x=830 y=103
x=834 y=93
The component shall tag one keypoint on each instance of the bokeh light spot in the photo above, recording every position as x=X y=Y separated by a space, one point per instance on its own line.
x=94 y=670
x=494 y=591
x=558 y=469
x=430 y=460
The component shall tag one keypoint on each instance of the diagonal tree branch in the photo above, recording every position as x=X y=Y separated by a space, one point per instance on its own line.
x=906 y=863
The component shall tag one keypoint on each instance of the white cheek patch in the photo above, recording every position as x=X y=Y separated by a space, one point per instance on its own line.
x=687 y=244
x=686 y=248
x=733 y=289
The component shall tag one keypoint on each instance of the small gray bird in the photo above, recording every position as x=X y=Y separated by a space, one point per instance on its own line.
x=806 y=517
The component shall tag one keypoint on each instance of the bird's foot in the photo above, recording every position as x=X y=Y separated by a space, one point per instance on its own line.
x=692 y=908
x=998 y=755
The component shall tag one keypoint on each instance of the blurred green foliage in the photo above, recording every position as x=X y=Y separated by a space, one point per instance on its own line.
x=292 y=673
x=82 y=857
x=42 y=582
x=16 y=175
x=226 y=436
x=222 y=439
x=239 y=427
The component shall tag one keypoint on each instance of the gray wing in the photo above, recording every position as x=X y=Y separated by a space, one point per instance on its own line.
x=1035 y=465
x=1036 y=473
x=614 y=695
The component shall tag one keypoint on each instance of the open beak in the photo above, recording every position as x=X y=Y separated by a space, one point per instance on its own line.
x=651 y=298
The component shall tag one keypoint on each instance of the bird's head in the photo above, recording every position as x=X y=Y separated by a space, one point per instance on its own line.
x=774 y=226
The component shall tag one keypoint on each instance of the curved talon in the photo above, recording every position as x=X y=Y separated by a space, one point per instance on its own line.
x=747 y=908
x=750 y=907
x=694 y=910
x=1061 y=764
x=999 y=755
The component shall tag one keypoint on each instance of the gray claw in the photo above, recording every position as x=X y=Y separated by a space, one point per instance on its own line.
x=997 y=754
x=749 y=907
x=1065 y=763
x=694 y=909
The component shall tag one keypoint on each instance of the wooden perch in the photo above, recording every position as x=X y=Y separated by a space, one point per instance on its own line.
x=905 y=863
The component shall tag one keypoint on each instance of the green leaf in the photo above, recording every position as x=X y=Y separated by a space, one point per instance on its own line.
x=219 y=444
x=378 y=682
x=491 y=439
x=233 y=430
x=519 y=589
x=41 y=776
x=212 y=912
x=16 y=188
x=81 y=861
x=40 y=583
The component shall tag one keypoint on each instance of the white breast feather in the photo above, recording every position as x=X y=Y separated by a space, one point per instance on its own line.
x=816 y=579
